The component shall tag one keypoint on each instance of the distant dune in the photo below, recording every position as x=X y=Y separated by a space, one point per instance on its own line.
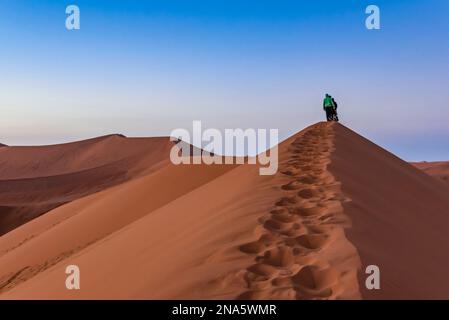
x=141 y=228
x=436 y=169
x=34 y=180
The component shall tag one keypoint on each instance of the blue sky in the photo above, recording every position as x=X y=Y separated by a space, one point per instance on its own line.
x=143 y=68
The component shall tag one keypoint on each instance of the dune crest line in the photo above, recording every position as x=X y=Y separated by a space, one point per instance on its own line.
x=302 y=251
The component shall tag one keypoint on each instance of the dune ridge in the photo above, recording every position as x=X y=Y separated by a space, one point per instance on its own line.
x=295 y=252
x=280 y=248
x=338 y=204
x=35 y=180
x=22 y=162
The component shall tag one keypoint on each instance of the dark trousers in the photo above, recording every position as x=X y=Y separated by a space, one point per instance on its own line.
x=329 y=113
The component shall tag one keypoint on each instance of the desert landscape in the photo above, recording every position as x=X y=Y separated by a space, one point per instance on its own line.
x=140 y=227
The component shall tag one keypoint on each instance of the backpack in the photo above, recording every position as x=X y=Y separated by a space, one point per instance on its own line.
x=328 y=102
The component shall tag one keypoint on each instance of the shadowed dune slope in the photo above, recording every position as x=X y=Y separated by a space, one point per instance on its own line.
x=435 y=169
x=400 y=219
x=34 y=180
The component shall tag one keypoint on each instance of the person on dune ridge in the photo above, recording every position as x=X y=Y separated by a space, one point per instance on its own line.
x=330 y=107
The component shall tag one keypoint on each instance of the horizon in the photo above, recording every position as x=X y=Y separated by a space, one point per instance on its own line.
x=144 y=69
x=239 y=152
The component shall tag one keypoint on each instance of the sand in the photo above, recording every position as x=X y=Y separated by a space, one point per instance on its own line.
x=34 y=180
x=400 y=219
x=439 y=169
x=337 y=204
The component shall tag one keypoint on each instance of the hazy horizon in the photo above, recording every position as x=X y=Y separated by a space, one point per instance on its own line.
x=146 y=68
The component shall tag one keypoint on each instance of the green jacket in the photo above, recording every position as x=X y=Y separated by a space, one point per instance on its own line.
x=327 y=103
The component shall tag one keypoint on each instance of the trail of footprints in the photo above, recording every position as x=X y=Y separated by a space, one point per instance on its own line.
x=288 y=264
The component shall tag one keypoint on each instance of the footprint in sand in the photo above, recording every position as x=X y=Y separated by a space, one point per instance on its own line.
x=294 y=185
x=308 y=193
x=315 y=278
x=286 y=201
x=312 y=241
x=279 y=257
x=277 y=226
x=288 y=264
x=307 y=212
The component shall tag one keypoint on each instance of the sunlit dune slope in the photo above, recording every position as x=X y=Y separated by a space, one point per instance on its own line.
x=337 y=204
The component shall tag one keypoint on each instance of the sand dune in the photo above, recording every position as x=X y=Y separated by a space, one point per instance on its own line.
x=34 y=180
x=337 y=204
x=44 y=161
x=400 y=219
x=215 y=236
x=438 y=169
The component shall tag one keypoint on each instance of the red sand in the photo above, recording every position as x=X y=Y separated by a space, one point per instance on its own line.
x=337 y=204
x=435 y=169
x=34 y=180
x=400 y=219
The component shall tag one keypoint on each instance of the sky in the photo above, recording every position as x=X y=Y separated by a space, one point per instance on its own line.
x=144 y=68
